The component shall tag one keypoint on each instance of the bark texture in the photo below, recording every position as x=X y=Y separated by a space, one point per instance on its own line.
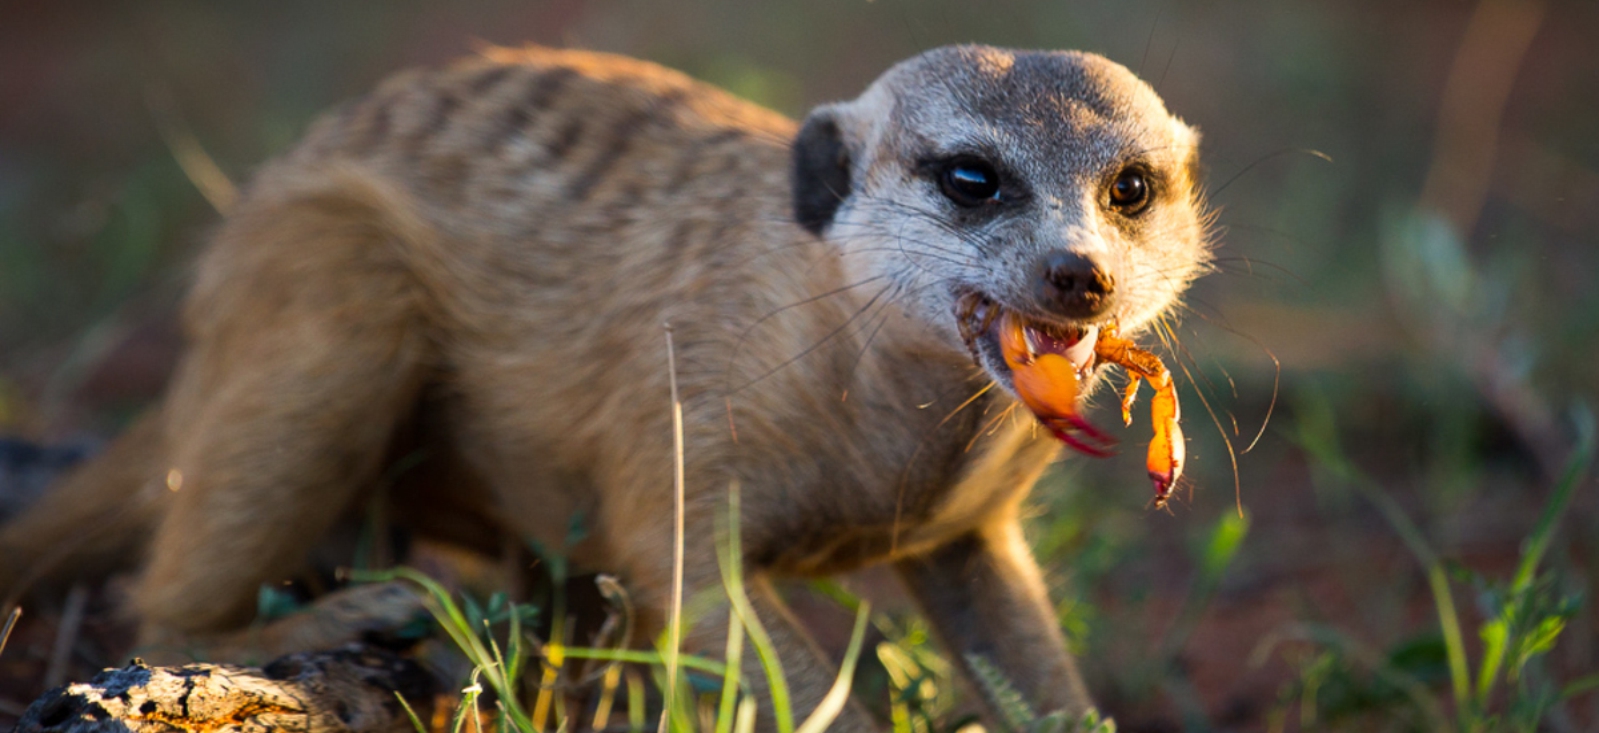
x=342 y=691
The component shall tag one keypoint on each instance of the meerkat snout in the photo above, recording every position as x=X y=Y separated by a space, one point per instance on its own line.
x=1073 y=286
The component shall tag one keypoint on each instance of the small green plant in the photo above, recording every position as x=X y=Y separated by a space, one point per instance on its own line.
x=921 y=686
x=1501 y=689
x=471 y=627
x=1016 y=716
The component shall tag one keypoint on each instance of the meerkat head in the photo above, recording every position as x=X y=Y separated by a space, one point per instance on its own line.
x=1053 y=186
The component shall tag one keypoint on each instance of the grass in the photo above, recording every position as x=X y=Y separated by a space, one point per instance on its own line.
x=1493 y=685
x=501 y=650
x=503 y=653
x=496 y=641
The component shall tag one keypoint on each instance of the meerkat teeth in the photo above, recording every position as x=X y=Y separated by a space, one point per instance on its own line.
x=1082 y=352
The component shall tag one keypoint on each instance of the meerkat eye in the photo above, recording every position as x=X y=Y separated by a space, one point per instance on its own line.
x=970 y=182
x=1130 y=192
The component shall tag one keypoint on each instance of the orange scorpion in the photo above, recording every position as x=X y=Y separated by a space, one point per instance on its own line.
x=1048 y=385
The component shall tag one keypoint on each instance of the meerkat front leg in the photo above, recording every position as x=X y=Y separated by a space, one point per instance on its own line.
x=985 y=597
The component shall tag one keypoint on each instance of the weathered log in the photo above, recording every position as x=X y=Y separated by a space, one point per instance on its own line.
x=349 y=690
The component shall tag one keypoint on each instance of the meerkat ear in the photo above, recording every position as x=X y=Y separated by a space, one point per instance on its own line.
x=820 y=173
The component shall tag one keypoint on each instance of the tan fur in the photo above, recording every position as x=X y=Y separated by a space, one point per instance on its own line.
x=491 y=252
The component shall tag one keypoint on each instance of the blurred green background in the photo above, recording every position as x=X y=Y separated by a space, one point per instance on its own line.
x=1409 y=197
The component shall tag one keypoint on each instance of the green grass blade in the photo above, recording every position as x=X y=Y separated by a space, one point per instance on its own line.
x=635 y=703
x=678 y=713
x=409 y=713
x=1454 y=641
x=733 y=580
x=1580 y=686
x=496 y=672
x=833 y=702
x=1576 y=469
x=468 y=703
x=517 y=655
x=444 y=610
x=639 y=656
x=734 y=657
x=782 y=704
x=834 y=592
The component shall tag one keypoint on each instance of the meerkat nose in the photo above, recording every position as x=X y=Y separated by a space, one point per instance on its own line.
x=1073 y=285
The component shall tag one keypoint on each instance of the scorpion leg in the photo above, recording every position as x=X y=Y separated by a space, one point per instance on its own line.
x=1167 y=449
x=1129 y=395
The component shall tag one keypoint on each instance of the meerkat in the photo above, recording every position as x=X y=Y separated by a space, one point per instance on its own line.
x=489 y=253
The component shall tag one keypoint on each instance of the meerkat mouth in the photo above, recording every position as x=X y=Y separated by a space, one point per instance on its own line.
x=1044 y=364
x=980 y=320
